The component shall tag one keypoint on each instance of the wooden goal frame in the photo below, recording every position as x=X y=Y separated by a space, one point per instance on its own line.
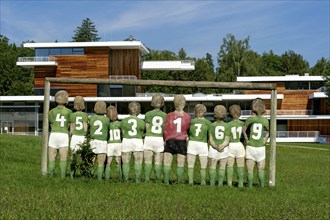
x=187 y=84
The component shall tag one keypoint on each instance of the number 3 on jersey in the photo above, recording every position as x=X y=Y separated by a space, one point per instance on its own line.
x=133 y=130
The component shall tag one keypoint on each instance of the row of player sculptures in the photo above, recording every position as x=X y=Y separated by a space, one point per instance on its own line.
x=159 y=137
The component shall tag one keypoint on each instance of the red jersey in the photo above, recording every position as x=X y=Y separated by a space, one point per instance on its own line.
x=176 y=126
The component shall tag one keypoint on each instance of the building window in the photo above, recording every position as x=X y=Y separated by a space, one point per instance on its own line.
x=45 y=52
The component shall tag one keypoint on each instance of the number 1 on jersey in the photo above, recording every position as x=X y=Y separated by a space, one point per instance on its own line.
x=178 y=122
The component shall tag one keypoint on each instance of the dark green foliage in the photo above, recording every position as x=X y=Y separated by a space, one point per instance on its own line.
x=293 y=64
x=203 y=72
x=82 y=160
x=14 y=80
x=87 y=32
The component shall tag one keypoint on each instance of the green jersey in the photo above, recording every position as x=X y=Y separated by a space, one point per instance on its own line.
x=79 y=119
x=59 y=118
x=198 y=129
x=99 y=127
x=132 y=127
x=258 y=124
x=219 y=130
x=114 y=132
x=155 y=120
x=235 y=127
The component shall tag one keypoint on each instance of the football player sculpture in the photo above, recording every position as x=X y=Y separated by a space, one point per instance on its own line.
x=59 y=137
x=114 y=143
x=78 y=126
x=236 y=149
x=99 y=128
x=132 y=130
x=175 y=136
x=197 y=144
x=255 y=149
x=219 y=136
x=154 y=140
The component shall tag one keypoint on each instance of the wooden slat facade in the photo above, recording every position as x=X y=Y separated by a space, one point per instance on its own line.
x=299 y=100
x=323 y=126
x=95 y=63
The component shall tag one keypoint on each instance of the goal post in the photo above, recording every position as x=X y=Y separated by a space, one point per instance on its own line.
x=187 y=84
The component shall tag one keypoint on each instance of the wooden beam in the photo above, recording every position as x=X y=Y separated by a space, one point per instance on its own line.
x=45 y=127
x=272 y=159
x=140 y=82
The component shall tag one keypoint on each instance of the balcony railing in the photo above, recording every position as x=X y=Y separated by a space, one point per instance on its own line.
x=282 y=112
x=297 y=134
x=36 y=59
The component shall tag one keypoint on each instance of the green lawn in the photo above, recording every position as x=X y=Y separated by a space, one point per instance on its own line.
x=302 y=190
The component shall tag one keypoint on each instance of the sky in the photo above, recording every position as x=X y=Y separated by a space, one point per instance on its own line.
x=198 y=27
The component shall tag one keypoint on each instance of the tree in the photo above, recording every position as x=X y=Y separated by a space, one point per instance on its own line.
x=251 y=64
x=271 y=64
x=14 y=80
x=230 y=58
x=87 y=32
x=182 y=55
x=319 y=68
x=326 y=74
x=293 y=63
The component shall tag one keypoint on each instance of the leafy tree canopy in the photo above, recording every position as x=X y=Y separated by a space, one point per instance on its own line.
x=14 y=80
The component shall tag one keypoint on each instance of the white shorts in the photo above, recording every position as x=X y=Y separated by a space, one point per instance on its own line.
x=255 y=153
x=214 y=154
x=114 y=149
x=58 y=140
x=76 y=140
x=197 y=148
x=99 y=147
x=155 y=144
x=132 y=145
x=236 y=150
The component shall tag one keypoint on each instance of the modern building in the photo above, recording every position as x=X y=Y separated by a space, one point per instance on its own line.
x=302 y=113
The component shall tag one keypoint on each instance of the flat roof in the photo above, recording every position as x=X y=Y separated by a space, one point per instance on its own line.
x=110 y=44
x=316 y=95
x=286 y=78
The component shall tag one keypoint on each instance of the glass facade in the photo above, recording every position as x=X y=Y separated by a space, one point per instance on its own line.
x=303 y=85
x=45 y=52
x=20 y=119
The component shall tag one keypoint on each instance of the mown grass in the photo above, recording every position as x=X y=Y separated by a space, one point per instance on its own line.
x=302 y=191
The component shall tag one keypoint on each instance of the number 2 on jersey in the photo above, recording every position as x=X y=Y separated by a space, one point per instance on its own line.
x=99 y=125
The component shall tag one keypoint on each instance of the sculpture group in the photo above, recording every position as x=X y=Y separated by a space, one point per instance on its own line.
x=153 y=142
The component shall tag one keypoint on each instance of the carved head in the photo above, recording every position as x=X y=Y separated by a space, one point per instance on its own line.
x=134 y=108
x=235 y=111
x=62 y=97
x=112 y=113
x=157 y=101
x=220 y=112
x=258 y=106
x=179 y=102
x=100 y=107
x=200 y=110
x=79 y=103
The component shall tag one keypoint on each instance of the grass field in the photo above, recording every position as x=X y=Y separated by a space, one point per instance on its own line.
x=302 y=190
